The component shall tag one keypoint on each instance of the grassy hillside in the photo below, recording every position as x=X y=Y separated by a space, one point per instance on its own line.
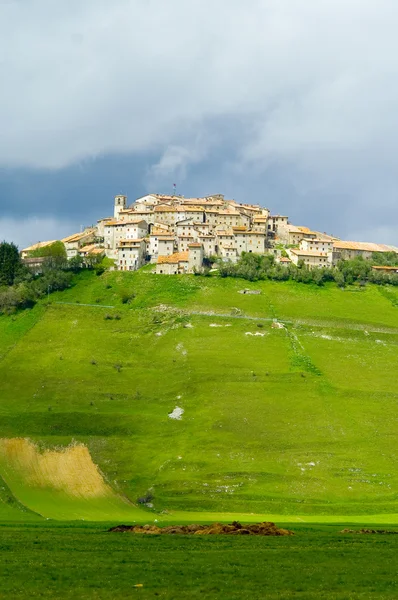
x=299 y=421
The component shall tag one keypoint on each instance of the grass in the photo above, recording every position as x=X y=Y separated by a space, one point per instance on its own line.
x=298 y=423
x=68 y=561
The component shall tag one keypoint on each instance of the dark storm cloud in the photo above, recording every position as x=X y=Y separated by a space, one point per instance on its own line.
x=290 y=103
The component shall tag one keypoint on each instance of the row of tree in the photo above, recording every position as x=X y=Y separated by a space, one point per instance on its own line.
x=22 y=288
x=254 y=267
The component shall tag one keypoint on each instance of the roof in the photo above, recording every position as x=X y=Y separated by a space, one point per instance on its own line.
x=325 y=236
x=251 y=232
x=38 y=245
x=129 y=222
x=91 y=249
x=158 y=231
x=95 y=251
x=195 y=245
x=166 y=238
x=205 y=201
x=285 y=259
x=163 y=197
x=77 y=236
x=250 y=209
x=232 y=213
x=173 y=258
x=193 y=209
x=309 y=253
x=124 y=243
x=298 y=229
x=385 y=268
x=364 y=246
x=317 y=241
x=168 y=208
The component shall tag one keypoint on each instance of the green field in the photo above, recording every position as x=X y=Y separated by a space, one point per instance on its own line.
x=292 y=424
x=84 y=561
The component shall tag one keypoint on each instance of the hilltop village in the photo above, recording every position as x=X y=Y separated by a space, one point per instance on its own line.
x=180 y=235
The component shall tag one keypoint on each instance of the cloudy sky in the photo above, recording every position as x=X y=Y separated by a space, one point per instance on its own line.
x=290 y=104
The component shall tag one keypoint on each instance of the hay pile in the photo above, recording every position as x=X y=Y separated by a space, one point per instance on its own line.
x=235 y=528
x=370 y=531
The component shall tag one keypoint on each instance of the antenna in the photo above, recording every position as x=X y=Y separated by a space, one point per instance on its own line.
x=174 y=189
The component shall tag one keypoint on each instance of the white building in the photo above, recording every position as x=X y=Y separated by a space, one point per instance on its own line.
x=74 y=242
x=195 y=257
x=183 y=242
x=120 y=204
x=209 y=244
x=311 y=258
x=166 y=245
x=114 y=231
x=249 y=241
x=131 y=254
x=174 y=264
x=325 y=246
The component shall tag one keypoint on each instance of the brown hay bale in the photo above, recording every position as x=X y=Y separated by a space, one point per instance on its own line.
x=235 y=528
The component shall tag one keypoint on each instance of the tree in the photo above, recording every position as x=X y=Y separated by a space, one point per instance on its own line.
x=339 y=278
x=55 y=255
x=10 y=263
x=76 y=263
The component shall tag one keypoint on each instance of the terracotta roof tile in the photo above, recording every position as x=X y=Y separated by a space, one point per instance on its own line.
x=173 y=258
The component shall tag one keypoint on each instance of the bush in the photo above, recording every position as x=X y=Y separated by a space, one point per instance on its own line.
x=255 y=267
x=126 y=297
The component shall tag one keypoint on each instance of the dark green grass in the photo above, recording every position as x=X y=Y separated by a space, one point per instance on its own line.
x=85 y=562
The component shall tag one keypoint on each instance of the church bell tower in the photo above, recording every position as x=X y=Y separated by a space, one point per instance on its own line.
x=120 y=204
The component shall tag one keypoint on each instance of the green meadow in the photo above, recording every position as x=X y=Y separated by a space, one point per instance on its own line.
x=294 y=423
x=68 y=561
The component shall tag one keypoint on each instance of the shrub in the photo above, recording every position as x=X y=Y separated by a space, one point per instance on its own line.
x=126 y=297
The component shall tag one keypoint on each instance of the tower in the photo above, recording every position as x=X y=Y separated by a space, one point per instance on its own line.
x=120 y=204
